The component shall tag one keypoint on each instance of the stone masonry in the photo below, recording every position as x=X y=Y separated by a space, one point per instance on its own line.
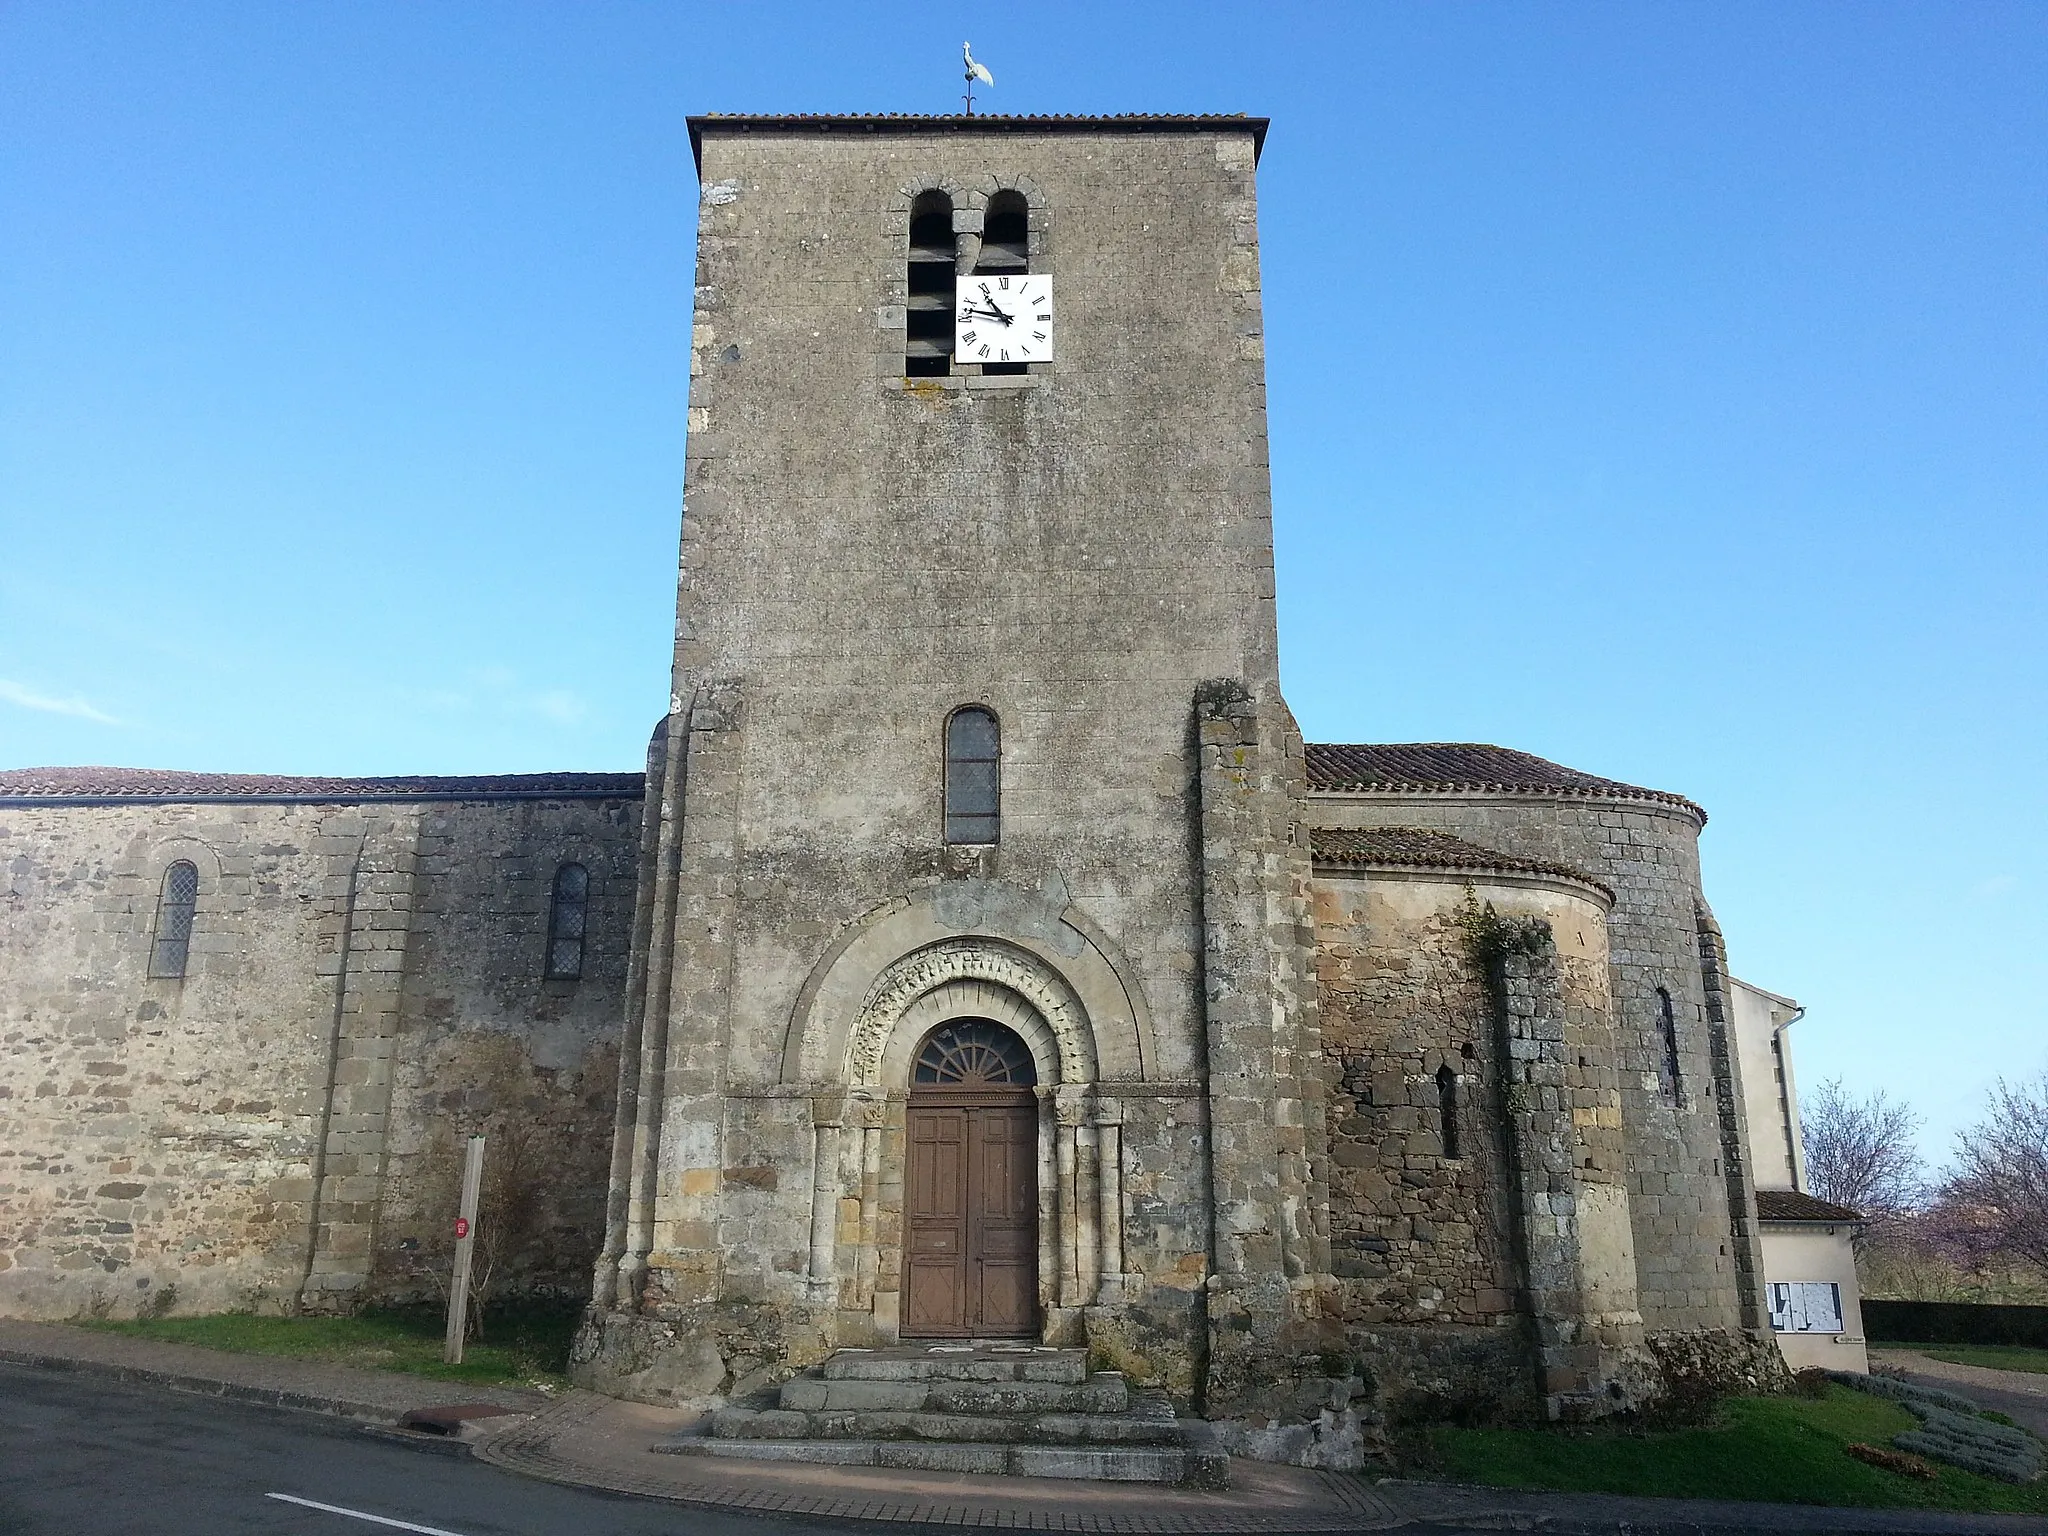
x=262 y=1130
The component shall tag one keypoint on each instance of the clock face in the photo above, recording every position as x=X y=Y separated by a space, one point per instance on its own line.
x=1004 y=318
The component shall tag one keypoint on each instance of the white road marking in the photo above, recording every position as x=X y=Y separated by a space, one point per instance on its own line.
x=357 y=1514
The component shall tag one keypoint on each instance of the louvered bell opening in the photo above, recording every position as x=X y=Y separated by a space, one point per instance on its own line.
x=1005 y=235
x=928 y=302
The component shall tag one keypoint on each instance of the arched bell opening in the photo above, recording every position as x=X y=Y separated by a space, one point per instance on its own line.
x=971 y=1192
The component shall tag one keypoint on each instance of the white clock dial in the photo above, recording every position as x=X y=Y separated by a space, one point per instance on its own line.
x=1003 y=318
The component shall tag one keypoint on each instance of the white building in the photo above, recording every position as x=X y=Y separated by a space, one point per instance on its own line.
x=1809 y=1263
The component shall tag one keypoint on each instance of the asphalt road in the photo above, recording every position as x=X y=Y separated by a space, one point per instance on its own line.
x=80 y=1457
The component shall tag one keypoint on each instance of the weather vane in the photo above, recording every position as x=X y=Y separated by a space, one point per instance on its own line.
x=974 y=72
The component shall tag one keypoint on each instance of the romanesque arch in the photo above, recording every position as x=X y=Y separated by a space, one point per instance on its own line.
x=965 y=949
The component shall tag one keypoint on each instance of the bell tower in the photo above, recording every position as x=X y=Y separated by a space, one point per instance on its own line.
x=975 y=725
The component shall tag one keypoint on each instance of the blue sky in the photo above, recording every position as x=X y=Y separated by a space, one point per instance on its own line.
x=1658 y=388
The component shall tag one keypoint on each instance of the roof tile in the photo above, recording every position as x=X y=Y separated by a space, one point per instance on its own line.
x=44 y=786
x=1424 y=848
x=1796 y=1205
x=1443 y=767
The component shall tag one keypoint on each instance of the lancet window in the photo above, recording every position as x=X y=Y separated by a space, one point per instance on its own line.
x=176 y=903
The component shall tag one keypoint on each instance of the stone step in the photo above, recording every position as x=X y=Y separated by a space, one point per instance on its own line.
x=943 y=1362
x=1123 y=1464
x=734 y=1423
x=1103 y=1392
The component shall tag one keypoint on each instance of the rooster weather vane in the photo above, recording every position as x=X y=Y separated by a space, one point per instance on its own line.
x=974 y=72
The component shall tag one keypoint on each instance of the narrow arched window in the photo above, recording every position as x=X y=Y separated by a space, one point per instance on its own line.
x=974 y=776
x=566 y=922
x=175 y=904
x=1005 y=249
x=1667 y=1023
x=1447 y=1109
x=928 y=296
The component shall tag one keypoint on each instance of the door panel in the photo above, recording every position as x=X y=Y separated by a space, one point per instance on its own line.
x=971 y=1237
x=936 y=1230
x=1003 y=1226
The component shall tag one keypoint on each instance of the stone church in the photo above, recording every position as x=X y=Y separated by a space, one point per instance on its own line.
x=982 y=954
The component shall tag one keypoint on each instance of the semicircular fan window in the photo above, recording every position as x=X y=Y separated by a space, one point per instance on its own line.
x=974 y=1053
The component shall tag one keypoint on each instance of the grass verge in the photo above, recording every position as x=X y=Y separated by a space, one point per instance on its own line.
x=522 y=1345
x=1779 y=1449
x=1997 y=1357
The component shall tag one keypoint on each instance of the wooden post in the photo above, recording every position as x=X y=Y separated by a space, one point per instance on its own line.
x=465 y=1244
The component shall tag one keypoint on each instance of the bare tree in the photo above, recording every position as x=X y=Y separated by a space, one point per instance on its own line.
x=2000 y=1173
x=1863 y=1153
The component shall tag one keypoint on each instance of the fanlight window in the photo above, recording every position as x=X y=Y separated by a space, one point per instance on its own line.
x=973 y=777
x=974 y=1053
x=175 y=905
x=565 y=922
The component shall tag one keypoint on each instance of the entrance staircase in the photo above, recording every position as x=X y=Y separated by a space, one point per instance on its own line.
x=1021 y=1409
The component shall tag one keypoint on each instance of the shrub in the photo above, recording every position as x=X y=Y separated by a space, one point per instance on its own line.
x=1972 y=1443
x=1892 y=1461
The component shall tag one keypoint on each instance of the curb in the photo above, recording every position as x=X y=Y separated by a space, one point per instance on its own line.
x=202 y=1386
x=1726 y=1519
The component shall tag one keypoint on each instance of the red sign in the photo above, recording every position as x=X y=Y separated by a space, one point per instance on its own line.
x=462 y=1226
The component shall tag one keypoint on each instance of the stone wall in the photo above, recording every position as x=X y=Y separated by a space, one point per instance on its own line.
x=1417 y=1236
x=1688 y=1270
x=1498 y=1231
x=364 y=980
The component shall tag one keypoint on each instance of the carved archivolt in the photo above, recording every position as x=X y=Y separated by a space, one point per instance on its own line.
x=970 y=977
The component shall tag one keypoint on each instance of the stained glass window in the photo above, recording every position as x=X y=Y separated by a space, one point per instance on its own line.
x=974 y=784
x=566 y=921
x=974 y=1053
x=175 y=905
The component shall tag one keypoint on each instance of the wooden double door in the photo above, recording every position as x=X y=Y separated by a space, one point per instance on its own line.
x=971 y=1214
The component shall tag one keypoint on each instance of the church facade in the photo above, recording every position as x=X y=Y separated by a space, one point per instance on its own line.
x=983 y=954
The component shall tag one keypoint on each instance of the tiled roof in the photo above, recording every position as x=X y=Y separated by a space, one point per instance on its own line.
x=956 y=122
x=1421 y=848
x=1439 y=767
x=1792 y=1205
x=100 y=786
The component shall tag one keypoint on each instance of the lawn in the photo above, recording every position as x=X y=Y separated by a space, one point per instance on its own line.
x=521 y=1345
x=1998 y=1357
x=1781 y=1449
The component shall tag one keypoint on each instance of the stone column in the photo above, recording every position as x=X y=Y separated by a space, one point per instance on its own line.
x=868 y=1260
x=1067 y=1117
x=1110 y=1189
x=1051 y=1243
x=828 y=1114
x=622 y=1265
x=1269 y=1247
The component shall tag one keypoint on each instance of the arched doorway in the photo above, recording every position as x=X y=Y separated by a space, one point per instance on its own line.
x=971 y=1185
